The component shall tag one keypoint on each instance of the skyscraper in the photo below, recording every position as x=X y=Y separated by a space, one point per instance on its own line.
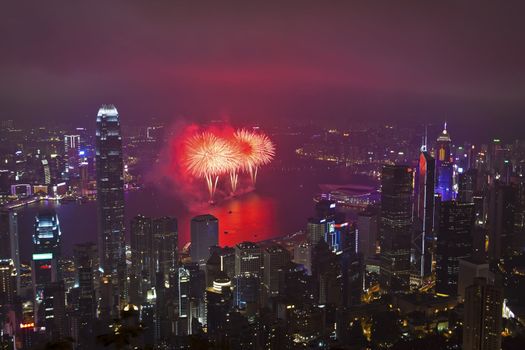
x=248 y=259
x=164 y=245
x=454 y=242
x=396 y=226
x=44 y=265
x=424 y=212
x=71 y=154
x=9 y=249
x=86 y=264
x=367 y=232
x=110 y=195
x=204 y=234
x=482 y=322
x=276 y=258
x=444 y=166
x=141 y=274
x=502 y=200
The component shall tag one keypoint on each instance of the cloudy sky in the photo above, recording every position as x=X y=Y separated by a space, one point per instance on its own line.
x=266 y=61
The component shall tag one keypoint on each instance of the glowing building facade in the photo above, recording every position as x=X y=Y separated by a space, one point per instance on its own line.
x=110 y=198
x=444 y=167
x=110 y=189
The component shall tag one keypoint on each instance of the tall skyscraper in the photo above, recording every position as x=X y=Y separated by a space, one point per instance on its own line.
x=141 y=274
x=9 y=249
x=367 y=232
x=248 y=259
x=482 y=322
x=444 y=166
x=503 y=240
x=454 y=242
x=164 y=245
x=86 y=262
x=71 y=154
x=276 y=258
x=110 y=195
x=396 y=226
x=424 y=212
x=467 y=185
x=7 y=282
x=44 y=265
x=204 y=234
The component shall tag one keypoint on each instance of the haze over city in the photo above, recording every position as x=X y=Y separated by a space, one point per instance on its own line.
x=262 y=175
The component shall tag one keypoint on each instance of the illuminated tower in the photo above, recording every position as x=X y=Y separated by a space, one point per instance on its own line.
x=444 y=166
x=424 y=211
x=110 y=198
x=71 y=154
x=44 y=265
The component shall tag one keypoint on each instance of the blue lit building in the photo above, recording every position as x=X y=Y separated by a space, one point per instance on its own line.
x=444 y=167
x=44 y=264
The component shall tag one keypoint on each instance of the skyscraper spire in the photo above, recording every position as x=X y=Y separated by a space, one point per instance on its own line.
x=424 y=141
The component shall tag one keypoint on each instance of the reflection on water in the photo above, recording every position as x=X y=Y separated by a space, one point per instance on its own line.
x=280 y=205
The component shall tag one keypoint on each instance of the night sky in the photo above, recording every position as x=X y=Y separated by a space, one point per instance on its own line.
x=266 y=61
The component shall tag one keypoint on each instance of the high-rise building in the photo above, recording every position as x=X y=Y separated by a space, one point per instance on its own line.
x=248 y=259
x=141 y=274
x=276 y=258
x=302 y=255
x=204 y=234
x=454 y=242
x=153 y=251
x=47 y=234
x=396 y=226
x=467 y=185
x=444 y=166
x=110 y=197
x=367 y=232
x=501 y=217
x=44 y=265
x=7 y=282
x=424 y=213
x=86 y=262
x=164 y=245
x=71 y=155
x=9 y=249
x=54 y=310
x=482 y=324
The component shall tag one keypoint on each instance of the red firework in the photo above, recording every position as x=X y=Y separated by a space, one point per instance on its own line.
x=208 y=157
x=212 y=153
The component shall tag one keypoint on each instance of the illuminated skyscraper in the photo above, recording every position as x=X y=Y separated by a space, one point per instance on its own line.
x=110 y=195
x=396 y=226
x=424 y=212
x=248 y=259
x=444 y=166
x=71 y=154
x=44 y=265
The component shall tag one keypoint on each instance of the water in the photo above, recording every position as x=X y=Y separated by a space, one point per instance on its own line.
x=280 y=205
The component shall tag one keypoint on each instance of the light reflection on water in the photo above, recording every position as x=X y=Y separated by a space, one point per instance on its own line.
x=280 y=205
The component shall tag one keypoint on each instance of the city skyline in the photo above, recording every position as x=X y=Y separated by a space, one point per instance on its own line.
x=262 y=176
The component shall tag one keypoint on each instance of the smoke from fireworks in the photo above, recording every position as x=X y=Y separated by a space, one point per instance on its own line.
x=209 y=156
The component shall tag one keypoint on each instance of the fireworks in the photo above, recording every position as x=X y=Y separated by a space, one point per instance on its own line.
x=209 y=156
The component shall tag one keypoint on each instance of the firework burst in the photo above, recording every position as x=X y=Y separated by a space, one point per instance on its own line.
x=209 y=156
